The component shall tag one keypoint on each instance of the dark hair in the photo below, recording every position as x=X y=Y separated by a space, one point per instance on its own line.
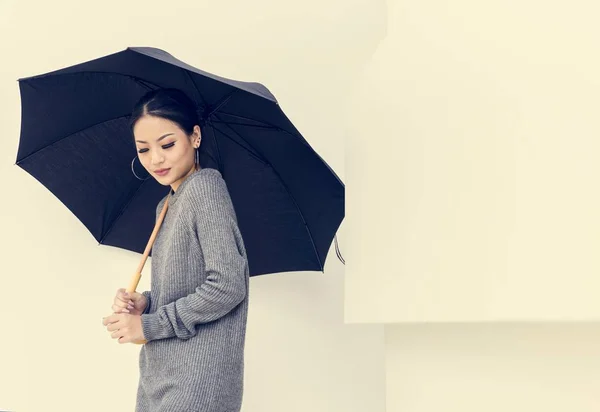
x=171 y=104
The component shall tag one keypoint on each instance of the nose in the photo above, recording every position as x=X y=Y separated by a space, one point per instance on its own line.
x=157 y=159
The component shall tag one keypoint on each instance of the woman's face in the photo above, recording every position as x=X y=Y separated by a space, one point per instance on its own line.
x=162 y=144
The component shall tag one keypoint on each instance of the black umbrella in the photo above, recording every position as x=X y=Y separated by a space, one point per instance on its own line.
x=75 y=140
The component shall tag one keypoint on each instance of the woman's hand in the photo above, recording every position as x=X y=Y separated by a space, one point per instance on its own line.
x=132 y=303
x=125 y=327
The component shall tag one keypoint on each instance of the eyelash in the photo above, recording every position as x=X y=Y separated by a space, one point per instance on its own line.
x=167 y=146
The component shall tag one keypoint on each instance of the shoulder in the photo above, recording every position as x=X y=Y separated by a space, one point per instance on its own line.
x=207 y=174
x=160 y=205
x=207 y=181
x=208 y=197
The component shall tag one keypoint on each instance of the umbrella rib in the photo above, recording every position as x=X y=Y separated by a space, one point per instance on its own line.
x=220 y=161
x=145 y=83
x=122 y=211
x=207 y=107
x=277 y=128
x=69 y=135
x=245 y=124
x=204 y=103
x=260 y=121
x=139 y=79
x=219 y=104
x=312 y=241
x=260 y=159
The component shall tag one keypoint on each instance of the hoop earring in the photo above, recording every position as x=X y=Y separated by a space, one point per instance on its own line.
x=133 y=171
x=197 y=158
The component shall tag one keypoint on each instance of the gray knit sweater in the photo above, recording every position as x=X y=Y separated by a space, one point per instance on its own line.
x=195 y=322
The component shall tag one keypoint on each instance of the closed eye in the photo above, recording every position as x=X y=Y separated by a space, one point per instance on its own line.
x=167 y=146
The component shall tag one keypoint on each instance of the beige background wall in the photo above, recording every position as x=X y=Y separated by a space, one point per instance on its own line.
x=494 y=367
x=471 y=143
x=473 y=165
x=56 y=284
x=472 y=205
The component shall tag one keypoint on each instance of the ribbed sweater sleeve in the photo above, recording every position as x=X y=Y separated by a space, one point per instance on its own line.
x=214 y=221
x=147 y=293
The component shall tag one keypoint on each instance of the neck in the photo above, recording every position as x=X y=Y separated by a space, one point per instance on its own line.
x=175 y=185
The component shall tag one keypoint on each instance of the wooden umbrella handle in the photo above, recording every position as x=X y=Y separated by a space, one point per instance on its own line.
x=138 y=274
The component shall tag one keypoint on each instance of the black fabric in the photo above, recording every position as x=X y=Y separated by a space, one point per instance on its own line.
x=75 y=141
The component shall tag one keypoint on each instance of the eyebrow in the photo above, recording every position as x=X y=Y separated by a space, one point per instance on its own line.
x=158 y=140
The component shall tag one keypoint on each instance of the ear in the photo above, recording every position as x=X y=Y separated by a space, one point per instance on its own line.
x=198 y=133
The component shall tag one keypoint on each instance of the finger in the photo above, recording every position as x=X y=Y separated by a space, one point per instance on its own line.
x=124 y=300
x=118 y=309
x=121 y=305
x=115 y=317
x=117 y=334
x=121 y=293
x=110 y=326
x=124 y=296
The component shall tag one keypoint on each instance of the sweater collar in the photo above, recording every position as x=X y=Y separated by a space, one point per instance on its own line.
x=173 y=196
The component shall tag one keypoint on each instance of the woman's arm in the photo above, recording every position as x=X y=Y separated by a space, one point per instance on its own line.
x=215 y=222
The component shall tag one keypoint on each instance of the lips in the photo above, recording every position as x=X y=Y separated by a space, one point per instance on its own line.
x=161 y=171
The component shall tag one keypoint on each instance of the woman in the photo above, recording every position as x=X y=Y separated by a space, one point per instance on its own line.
x=194 y=316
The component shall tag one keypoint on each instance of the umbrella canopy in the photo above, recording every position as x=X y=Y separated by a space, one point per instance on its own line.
x=75 y=140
